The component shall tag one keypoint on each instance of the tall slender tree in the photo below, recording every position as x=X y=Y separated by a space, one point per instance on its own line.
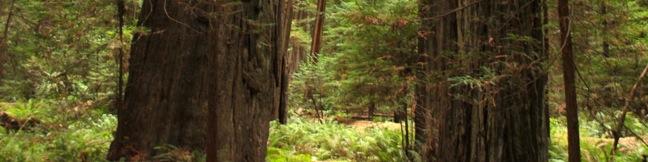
x=569 y=76
x=286 y=9
x=481 y=89
x=119 y=92
x=318 y=29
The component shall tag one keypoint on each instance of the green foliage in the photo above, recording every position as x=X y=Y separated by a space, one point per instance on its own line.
x=367 y=59
x=593 y=148
x=606 y=75
x=58 y=137
x=286 y=155
x=304 y=140
x=60 y=49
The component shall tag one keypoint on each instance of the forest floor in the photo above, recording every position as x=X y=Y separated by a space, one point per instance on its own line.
x=82 y=131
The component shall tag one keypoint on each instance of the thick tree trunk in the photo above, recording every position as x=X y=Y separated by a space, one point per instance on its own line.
x=203 y=57
x=166 y=95
x=569 y=76
x=249 y=64
x=505 y=117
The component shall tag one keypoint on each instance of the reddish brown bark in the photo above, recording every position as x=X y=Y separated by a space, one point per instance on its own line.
x=203 y=62
x=316 y=45
x=285 y=27
x=503 y=119
x=249 y=63
x=165 y=99
x=569 y=76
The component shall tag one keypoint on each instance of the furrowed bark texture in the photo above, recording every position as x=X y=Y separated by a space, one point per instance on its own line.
x=201 y=62
x=286 y=10
x=165 y=99
x=499 y=114
x=244 y=90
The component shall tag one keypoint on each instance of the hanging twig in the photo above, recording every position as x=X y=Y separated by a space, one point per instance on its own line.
x=621 y=124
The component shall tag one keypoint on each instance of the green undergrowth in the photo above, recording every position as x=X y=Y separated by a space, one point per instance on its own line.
x=82 y=131
x=67 y=132
x=595 y=146
x=304 y=140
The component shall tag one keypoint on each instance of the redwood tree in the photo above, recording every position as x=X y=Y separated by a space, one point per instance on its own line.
x=481 y=89
x=569 y=76
x=316 y=44
x=196 y=61
x=165 y=99
x=248 y=75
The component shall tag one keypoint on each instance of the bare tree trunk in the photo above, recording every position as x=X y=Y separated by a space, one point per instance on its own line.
x=203 y=62
x=166 y=95
x=318 y=29
x=569 y=71
x=119 y=94
x=249 y=64
x=285 y=27
x=504 y=119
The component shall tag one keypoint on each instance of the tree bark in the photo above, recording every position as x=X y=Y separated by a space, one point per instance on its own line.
x=316 y=45
x=569 y=76
x=285 y=27
x=119 y=92
x=165 y=99
x=505 y=117
x=220 y=58
x=249 y=64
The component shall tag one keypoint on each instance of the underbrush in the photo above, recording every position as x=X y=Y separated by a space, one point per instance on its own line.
x=595 y=147
x=83 y=132
x=301 y=141
x=76 y=133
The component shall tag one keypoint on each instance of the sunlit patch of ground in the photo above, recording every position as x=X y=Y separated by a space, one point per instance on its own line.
x=363 y=124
